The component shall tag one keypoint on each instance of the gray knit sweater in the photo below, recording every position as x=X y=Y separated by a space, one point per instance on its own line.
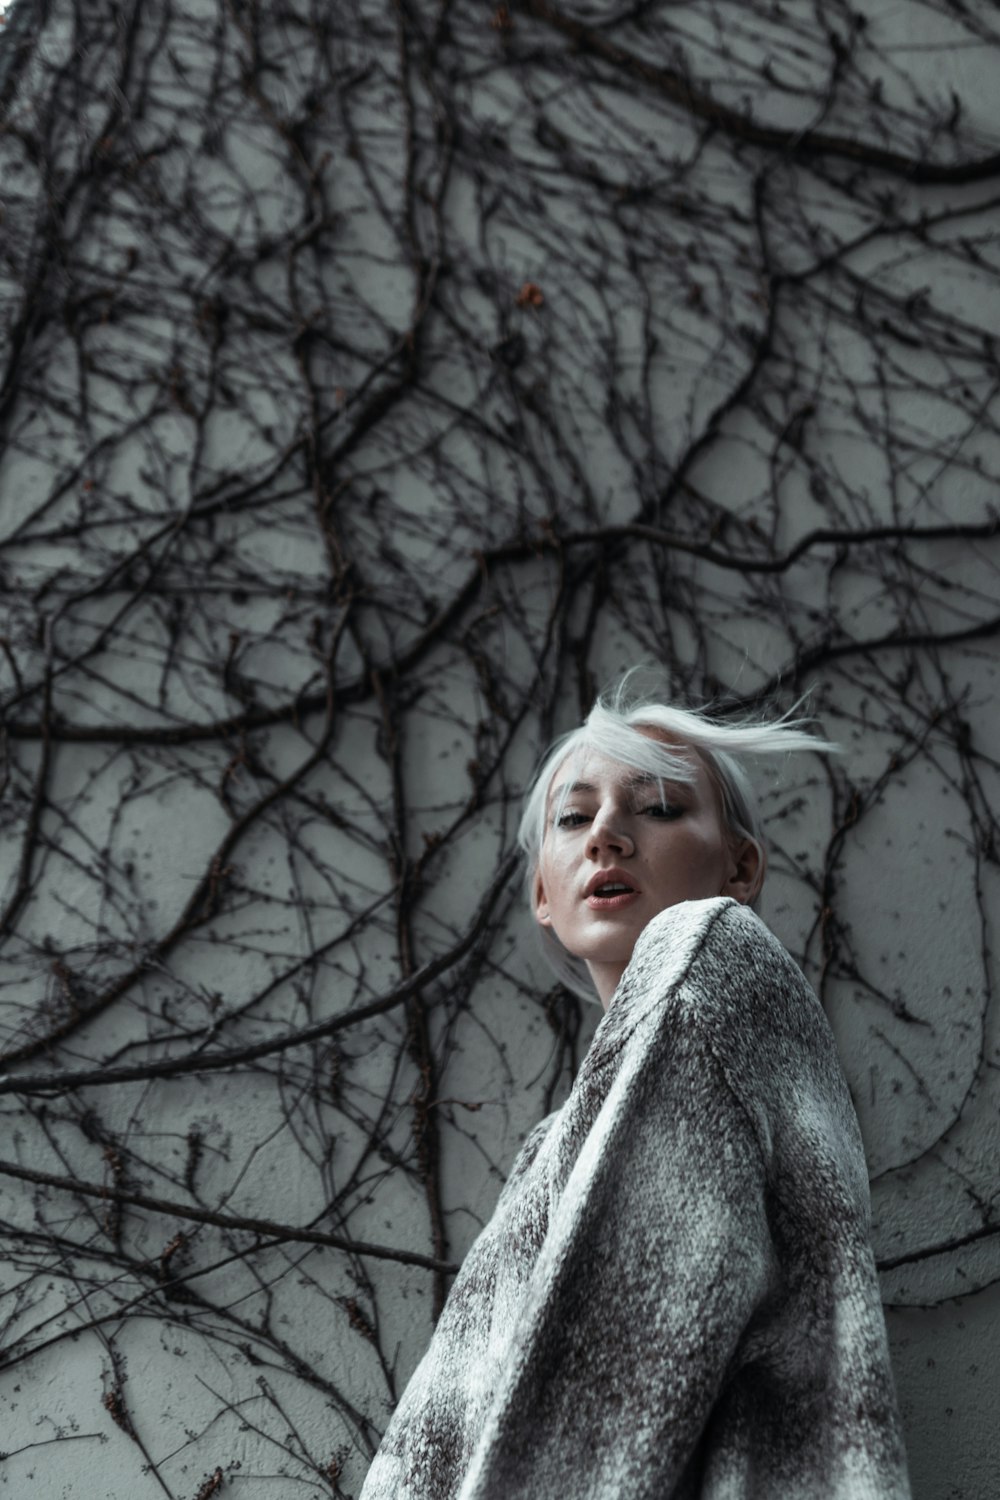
x=676 y=1295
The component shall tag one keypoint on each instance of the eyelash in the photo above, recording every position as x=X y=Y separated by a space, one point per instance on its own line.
x=668 y=812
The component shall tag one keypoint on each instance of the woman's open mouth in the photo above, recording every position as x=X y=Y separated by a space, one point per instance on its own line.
x=611 y=896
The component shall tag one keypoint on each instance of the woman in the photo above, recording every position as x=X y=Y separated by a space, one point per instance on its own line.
x=676 y=1295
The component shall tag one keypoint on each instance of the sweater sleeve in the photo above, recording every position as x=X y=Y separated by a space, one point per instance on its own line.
x=658 y=1254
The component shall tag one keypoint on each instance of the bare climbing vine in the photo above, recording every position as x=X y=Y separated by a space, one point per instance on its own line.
x=377 y=380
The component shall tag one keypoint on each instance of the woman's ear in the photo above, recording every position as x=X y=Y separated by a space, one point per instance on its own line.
x=748 y=863
x=538 y=901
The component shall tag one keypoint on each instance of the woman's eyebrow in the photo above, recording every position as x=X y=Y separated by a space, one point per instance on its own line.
x=640 y=779
x=569 y=787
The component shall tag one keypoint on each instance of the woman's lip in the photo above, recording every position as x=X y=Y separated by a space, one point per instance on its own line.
x=611 y=903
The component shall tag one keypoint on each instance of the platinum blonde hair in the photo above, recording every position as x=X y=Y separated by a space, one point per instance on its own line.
x=613 y=728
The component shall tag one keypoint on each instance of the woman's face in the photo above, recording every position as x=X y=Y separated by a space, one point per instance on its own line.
x=614 y=830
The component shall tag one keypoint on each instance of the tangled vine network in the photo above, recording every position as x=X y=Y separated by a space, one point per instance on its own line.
x=378 y=379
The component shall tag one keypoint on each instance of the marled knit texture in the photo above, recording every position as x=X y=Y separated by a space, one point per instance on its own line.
x=676 y=1295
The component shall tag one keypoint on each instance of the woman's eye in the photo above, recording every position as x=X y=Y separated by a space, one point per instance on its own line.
x=667 y=810
x=570 y=820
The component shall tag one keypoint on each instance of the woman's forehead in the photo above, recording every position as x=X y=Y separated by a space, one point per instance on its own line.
x=586 y=769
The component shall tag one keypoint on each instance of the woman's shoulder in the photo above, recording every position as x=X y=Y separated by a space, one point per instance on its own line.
x=717 y=922
x=712 y=974
x=721 y=963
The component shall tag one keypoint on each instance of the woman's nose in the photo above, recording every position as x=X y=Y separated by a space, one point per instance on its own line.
x=606 y=832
